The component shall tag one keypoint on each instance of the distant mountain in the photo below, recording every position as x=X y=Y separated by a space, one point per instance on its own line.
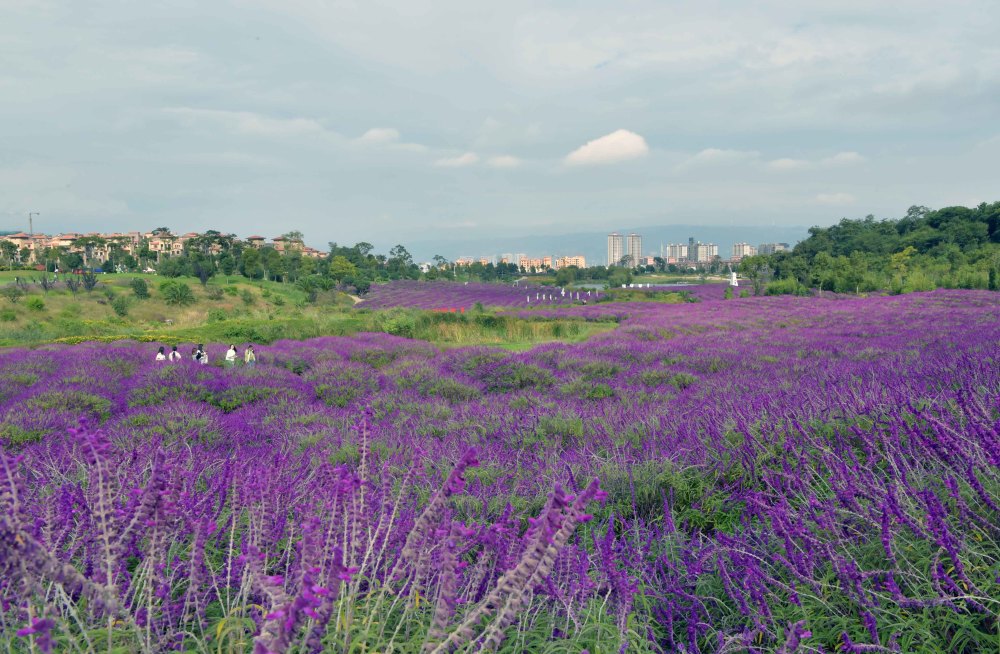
x=593 y=245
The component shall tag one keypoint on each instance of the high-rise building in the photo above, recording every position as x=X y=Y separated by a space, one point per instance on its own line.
x=771 y=248
x=742 y=250
x=676 y=252
x=634 y=249
x=616 y=248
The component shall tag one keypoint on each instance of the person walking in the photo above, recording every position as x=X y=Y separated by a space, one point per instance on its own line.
x=250 y=357
x=174 y=355
x=231 y=355
x=160 y=356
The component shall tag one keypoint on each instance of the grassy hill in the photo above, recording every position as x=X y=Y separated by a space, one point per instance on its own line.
x=233 y=309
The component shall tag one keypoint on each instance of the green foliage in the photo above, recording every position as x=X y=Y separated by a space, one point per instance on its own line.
x=12 y=293
x=951 y=247
x=140 y=288
x=247 y=297
x=13 y=436
x=8 y=315
x=217 y=315
x=121 y=305
x=786 y=287
x=72 y=402
x=176 y=293
x=728 y=293
x=35 y=304
x=683 y=380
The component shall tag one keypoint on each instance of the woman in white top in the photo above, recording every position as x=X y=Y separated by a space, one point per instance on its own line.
x=160 y=356
x=231 y=356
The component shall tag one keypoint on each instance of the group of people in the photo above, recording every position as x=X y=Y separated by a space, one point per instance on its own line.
x=199 y=355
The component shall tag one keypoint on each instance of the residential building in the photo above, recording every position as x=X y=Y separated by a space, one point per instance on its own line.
x=576 y=260
x=742 y=250
x=96 y=248
x=771 y=248
x=676 y=252
x=634 y=249
x=616 y=248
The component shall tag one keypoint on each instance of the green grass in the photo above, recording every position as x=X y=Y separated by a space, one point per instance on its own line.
x=237 y=310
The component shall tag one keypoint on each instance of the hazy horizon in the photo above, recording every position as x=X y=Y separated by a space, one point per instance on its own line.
x=454 y=122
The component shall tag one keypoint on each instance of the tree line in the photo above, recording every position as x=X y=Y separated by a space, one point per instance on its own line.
x=952 y=247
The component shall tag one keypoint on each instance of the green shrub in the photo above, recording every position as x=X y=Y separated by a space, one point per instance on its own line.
x=214 y=293
x=176 y=293
x=247 y=296
x=12 y=435
x=230 y=290
x=121 y=305
x=12 y=293
x=683 y=380
x=8 y=315
x=35 y=304
x=279 y=301
x=217 y=315
x=788 y=286
x=140 y=288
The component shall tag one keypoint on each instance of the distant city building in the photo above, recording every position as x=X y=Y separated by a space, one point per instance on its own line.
x=742 y=250
x=771 y=248
x=616 y=248
x=576 y=260
x=676 y=252
x=633 y=249
x=96 y=248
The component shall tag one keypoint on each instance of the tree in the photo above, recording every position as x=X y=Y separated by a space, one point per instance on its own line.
x=89 y=280
x=9 y=250
x=176 y=293
x=566 y=276
x=341 y=268
x=250 y=263
x=140 y=288
x=754 y=268
x=89 y=244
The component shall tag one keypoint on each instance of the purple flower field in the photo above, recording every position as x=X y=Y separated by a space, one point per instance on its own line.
x=771 y=474
x=447 y=296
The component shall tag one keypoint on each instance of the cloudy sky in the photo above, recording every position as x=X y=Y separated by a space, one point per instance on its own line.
x=412 y=120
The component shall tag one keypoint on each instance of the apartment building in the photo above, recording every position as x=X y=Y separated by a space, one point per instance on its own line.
x=616 y=248
x=771 y=248
x=743 y=250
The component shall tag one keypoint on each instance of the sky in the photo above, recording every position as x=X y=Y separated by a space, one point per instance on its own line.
x=416 y=120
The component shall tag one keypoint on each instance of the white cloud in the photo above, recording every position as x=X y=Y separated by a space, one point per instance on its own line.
x=467 y=159
x=379 y=135
x=788 y=164
x=843 y=159
x=835 y=198
x=718 y=157
x=388 y=137
x=620 y=145
x=838 y=160
x=504 y=161
x=246 y=122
